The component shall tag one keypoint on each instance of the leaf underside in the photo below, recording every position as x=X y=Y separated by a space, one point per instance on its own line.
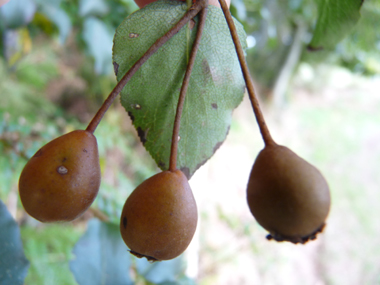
x=216 y=86
x=336 y=18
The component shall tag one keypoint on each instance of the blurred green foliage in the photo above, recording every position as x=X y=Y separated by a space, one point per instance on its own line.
x=90 y=23
x=48 y=248
x=272 y=25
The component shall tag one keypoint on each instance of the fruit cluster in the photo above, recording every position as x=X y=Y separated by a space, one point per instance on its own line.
x=288 y=196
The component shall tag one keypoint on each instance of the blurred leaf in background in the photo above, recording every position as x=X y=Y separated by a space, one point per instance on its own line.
x=13 y=263
x=98 y=38
x=279 y=32
x=18 y=13
x=53 y=11
x=48 y=248
x=335 y=20
x=101 y=256
x=167 y=272
x=360 y=50
x=93 y=7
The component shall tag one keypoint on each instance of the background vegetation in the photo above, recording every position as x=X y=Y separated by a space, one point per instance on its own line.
x=55 y=71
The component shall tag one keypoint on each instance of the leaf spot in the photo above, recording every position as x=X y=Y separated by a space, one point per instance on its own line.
x=206 y=68
x=115 y=67
x=131 y=116
x=133 y=35
x=161 y=165
x=142 y=134
x=136 y=106
x=214 y=106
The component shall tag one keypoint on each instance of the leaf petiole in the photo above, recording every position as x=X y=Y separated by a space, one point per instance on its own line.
x=268 y=140
x=185 y=85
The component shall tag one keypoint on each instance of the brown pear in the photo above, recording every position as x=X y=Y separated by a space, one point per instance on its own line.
x=160 y=216
x=288 y=196
x=62 y=179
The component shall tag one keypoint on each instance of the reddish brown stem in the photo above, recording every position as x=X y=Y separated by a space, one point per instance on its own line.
x=191 y=13
x=185 y=85
x=268 y=140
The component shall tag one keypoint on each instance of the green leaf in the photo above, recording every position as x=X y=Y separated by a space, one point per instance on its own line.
x=150 y=98
x=13 y=263
x=336 y=18
x=101 y=256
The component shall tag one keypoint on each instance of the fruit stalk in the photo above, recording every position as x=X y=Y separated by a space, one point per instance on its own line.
x=185 y=85
x=247 y=78
x=191 y=13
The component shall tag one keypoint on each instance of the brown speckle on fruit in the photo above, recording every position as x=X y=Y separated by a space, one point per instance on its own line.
x=62 y=170
x=125 y=222
x=38 y=153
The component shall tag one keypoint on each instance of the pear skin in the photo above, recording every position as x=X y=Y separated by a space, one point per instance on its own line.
x=288 y=196
x=160 y=216
x=62 y=179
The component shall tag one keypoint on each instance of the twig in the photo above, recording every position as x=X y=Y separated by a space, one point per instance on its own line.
x=185 y=84
x=191 y=13
x=248 y=80
x=290 y=64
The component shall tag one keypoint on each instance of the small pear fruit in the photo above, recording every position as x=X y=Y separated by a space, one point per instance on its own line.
x=288 y=196
x=160 y=216
x=62 y=179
